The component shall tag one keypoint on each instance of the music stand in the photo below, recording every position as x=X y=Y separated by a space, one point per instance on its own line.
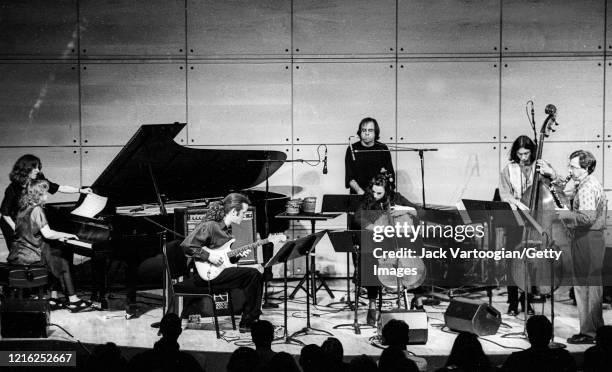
x=494 y=214
x=348 y=241
x=304 y=246
x=545 y=239
x=287 y=252
x=343 y=203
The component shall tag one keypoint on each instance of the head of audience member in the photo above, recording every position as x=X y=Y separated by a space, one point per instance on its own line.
x=394 y=360
x=604 y=337
x=243 y=359
x=311 y=358
x=26 y=168
x=368 y=131
x=282 y=362
x=467 y=353
x=523 y=151
x=332 y=347
x=395 y=334
x=106 y=357
x=170 y=327
x=539 y=331
x=262 y=333
x=363 y=363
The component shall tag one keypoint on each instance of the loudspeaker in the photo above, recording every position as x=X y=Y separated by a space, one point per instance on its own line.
x=472 y=316
x=416 y=320
x=24 y=318
x=186 y=219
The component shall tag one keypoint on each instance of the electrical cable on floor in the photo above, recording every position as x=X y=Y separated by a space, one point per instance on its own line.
x=71 y=336
x=502 y=346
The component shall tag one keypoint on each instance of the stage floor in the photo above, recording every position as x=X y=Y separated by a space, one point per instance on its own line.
x=98 y=327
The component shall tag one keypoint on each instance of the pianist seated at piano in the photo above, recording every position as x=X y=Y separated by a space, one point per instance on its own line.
x=31 y=246
x=213 y=234
x=27 y=167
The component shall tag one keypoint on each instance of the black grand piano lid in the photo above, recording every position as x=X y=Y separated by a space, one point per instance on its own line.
x=181 y=172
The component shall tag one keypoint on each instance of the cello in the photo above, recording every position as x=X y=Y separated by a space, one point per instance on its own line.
x=391 y=218
x=542 y=201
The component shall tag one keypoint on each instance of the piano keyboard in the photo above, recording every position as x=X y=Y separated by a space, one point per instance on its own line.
x=80 y=243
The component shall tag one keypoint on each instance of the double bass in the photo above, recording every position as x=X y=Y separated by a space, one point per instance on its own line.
x=542 y=201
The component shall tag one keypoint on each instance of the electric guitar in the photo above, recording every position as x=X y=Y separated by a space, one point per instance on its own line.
x=208 y=271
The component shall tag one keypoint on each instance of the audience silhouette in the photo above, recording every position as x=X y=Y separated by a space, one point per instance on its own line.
x=467 y=355
x=599 y=357
x=540 y=357
x=166 y=355
x=262 y=334
x=395 y=335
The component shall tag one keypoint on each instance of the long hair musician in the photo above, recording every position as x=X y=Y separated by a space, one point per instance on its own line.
x=376 y=205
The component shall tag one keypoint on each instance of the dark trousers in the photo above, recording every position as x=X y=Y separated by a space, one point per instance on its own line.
x=514 y=238
x=246 y=278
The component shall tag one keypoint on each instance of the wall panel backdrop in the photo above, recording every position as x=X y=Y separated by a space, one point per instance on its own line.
x=40 y=104
x=77 y=77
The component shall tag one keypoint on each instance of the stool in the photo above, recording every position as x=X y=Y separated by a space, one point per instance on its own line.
x=21 y=277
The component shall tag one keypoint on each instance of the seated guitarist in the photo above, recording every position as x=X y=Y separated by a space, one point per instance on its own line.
x=214 y=232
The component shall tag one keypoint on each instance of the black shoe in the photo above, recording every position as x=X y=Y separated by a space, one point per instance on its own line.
x=245 y=325
x=415 y=304
x=56 y=304
x=78 y=306
x=581 y=339
x=530 y=311
x=513 y=310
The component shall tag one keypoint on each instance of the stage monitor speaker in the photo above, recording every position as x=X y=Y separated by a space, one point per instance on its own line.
x=416 y=320
x=24 y=318
x=472 y=316
x=186 y=219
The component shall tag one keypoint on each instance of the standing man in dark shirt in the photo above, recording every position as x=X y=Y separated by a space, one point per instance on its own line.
x=365 y=159
x=213 y=234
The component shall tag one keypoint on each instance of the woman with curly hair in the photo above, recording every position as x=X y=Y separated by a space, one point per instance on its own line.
x=378 y=200
x=30 y=246
x=26 y=168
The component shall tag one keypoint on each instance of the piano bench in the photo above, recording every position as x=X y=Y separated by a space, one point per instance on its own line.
x=22 y=277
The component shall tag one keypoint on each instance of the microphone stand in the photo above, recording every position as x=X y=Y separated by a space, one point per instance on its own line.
x=431 y=301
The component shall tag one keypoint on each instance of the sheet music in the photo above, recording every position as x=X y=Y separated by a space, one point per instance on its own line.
x=92 y=205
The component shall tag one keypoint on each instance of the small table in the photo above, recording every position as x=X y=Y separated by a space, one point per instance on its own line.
x=313 y=218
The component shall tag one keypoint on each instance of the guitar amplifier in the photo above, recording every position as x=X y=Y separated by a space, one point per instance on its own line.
x=186 y=220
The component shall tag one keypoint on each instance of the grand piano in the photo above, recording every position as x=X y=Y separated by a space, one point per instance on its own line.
x=150 y=177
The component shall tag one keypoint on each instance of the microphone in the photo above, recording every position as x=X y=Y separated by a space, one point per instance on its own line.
x=325 y=162
x=351 y=147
